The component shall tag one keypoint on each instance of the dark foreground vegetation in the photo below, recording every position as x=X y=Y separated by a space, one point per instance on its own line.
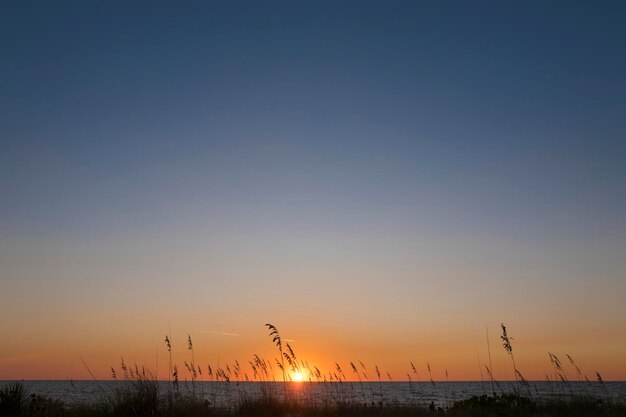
x=141 y=394
x=143 y=399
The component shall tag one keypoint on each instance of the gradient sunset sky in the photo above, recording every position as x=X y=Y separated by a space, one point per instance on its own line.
x=380 y=180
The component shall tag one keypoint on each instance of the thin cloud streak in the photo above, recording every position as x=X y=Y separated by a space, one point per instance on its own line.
x=229 y=334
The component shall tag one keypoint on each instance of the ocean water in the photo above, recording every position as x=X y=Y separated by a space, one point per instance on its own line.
x=227 y=394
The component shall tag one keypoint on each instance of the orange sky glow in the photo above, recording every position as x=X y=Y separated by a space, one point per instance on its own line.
x=463 y=353
x=380 y=180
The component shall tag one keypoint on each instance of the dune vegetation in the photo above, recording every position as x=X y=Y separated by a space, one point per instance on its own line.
x=326 y=393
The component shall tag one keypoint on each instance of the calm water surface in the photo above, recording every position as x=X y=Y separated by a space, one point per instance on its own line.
x=231 y=393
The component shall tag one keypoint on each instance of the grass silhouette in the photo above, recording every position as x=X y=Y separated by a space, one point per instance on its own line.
x=139 y=393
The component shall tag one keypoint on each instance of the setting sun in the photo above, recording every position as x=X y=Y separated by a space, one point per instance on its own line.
x=313 y=208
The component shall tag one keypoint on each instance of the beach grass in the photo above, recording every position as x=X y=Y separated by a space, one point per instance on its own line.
x=138 y=393
x=143 y=399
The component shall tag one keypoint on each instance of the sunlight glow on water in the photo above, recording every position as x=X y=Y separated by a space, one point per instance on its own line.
x=225 y=394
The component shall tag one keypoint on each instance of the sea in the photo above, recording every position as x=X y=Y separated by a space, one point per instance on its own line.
x=229 y=394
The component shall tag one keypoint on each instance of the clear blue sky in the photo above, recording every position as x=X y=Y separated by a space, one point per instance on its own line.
x=383 y=147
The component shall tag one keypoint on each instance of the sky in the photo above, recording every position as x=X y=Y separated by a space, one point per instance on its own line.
x=380 y=180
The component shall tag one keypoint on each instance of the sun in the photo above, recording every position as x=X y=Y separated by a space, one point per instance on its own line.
x=298 y=377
